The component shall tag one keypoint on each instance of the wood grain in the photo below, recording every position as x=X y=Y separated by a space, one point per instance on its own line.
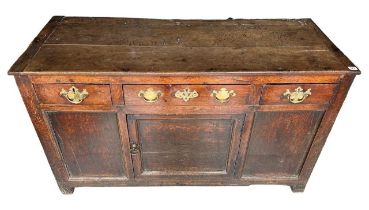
x=320 y=93
x=35 y=45
x=279 y=142
x=185 y=145
x=204 y=95
x=50 y=94
x=44 y=133
x=112 y=58
x=257 y=137
x=189 y=33
x=89 y=142
x=74 y=44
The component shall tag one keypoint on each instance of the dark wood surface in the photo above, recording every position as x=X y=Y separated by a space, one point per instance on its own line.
x=279 y=142
x=257 y=137
x=82 y=58
x=321 y=93
x=204 y=98
x=76 y=44
x=46 y=93
x=89 y=143
x=185 y=145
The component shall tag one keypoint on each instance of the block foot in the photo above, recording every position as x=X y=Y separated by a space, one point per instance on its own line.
x=298 y=188
x=66 y=190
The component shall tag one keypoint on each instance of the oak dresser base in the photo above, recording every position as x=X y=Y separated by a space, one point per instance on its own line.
x=142 y=102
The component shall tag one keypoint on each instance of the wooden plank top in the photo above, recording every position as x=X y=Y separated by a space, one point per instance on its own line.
x=128 y=45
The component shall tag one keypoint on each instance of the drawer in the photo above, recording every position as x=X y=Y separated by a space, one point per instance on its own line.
x=298 y=94
x=74 y=94
x=187 y=95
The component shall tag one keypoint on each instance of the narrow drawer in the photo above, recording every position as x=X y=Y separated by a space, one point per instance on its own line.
x=187 y=95
x=74 y=94
x=298 y=94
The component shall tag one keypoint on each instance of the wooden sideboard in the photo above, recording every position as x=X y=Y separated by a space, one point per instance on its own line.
x=142 y=102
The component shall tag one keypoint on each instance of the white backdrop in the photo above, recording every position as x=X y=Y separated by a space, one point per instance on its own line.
x=340 y=178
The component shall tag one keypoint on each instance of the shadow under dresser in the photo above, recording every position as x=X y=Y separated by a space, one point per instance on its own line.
x=143 y=102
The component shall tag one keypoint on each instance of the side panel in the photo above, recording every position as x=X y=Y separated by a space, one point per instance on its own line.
x=279 y=142
x=89 y=143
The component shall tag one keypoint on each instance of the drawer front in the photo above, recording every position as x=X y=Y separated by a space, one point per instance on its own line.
x=298 y=94
x=73 y=94
x=187 y=95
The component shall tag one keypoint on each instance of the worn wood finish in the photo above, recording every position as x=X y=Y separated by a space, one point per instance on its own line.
x=320 y=93
x=257 y=137
x=322 y=134
x=204 y=97
x=89 y=143
x=134 y=45
x=188 y=33
x=102 y=58
x=44 y=134
x=191 y=78
x=279 y=142
x=185 y=145
x=35 y=45
x=50 y=94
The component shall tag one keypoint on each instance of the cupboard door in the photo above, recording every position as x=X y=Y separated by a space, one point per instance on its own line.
x=89 y=143
x=279 y=142
x=184 y=145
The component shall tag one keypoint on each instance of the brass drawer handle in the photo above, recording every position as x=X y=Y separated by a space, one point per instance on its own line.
x=186 y=94
x=298 y=95
x=73 y=95
x=150 y=95
x=223 y=95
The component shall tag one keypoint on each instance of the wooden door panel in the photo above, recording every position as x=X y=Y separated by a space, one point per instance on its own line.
x=185 y=144
x=279 y=142
x=89 y=142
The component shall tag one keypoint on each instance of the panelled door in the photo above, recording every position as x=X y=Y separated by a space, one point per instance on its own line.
x=90 y=144
x=279 y=142
x=184 y=146
x=283 y=130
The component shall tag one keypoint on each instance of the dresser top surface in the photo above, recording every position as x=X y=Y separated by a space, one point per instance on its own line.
x=129 y=45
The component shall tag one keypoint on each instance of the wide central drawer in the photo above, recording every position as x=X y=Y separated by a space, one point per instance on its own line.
x=187 y=95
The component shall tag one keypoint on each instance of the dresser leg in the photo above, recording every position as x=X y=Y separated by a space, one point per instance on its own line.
x=65 y=189
x=298 y=188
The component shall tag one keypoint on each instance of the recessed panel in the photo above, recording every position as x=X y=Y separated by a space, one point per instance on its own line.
x=89 y=143
x=279 y=142
x=185 y=144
